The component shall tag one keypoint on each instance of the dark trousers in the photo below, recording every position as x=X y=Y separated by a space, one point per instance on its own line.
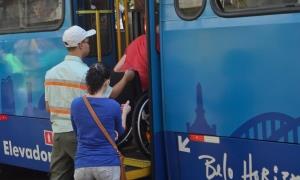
x=62 y=158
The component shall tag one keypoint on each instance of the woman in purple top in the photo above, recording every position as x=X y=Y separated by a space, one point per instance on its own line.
x=95 y=157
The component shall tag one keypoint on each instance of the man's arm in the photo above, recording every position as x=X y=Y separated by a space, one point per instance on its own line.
x=120 y=64
x=118 y=88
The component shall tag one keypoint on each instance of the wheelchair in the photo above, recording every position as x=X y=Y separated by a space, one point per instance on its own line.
x=139 y=119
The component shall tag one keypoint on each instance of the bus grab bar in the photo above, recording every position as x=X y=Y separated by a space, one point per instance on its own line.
x=97 y=14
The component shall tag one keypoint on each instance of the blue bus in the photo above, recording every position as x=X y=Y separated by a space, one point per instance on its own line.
x=224 y=84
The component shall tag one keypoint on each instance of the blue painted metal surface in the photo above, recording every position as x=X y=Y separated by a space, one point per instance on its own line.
x=24 y=142
x=24 y=61
x=25 y=58
x=235 y=78
x=158 y=150
x=245 y=66
x=231 y=158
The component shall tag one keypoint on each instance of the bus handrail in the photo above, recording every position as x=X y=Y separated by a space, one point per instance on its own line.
x=98 y=34
x=126 y=22
x=97 y=14
x=117 y=7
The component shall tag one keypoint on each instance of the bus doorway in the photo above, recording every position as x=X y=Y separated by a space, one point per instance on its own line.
x=121 y=27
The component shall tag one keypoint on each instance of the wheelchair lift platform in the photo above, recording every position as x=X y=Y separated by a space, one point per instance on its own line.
x=137 y=165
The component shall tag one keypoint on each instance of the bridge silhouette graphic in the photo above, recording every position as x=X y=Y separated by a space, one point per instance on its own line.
x=271 y=126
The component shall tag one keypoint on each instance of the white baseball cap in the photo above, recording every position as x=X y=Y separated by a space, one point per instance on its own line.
x=75 y=35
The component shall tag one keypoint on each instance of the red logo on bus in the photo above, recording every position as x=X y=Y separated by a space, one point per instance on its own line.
x=48 y=137
x=3 y=117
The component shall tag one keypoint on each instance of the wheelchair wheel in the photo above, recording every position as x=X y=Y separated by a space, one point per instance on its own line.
x=141 y=121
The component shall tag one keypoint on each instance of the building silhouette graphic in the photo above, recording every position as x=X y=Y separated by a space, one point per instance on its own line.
x=200 y=124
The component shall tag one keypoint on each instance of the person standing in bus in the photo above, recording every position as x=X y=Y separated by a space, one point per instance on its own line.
x=96 y=158
x=63 y=83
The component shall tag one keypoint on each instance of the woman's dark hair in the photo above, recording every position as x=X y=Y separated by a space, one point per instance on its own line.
x=95 y=77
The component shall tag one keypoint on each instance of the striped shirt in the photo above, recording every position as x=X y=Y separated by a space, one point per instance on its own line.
x=63 y=83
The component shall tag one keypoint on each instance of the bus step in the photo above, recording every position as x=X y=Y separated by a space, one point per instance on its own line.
x=137 y=168
x=137 y=162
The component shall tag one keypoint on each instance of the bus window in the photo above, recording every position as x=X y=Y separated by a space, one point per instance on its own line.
x=45 y=12
x=10 y=13
x=189 y=9
x=31 y=15
x=244 y=6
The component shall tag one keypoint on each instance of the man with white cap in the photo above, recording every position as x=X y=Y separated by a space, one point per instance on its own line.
x=63 y=83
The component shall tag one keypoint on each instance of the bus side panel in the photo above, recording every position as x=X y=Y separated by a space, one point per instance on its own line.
x=24 y=60
x=231 y=158
x=26 y=135
x=26 y=142
x=236 y=78
x=232 y=77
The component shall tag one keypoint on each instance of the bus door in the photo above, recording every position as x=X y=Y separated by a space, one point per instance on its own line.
x=157 y=145
x=115 y=27
x=230 y=91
